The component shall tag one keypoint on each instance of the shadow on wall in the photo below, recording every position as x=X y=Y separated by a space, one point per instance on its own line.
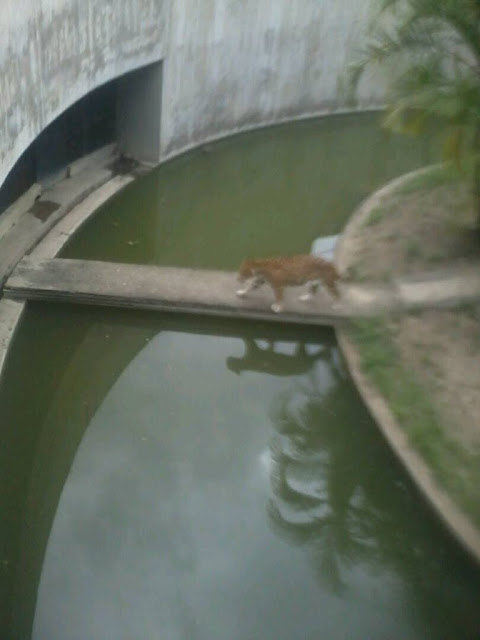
x=86 y=126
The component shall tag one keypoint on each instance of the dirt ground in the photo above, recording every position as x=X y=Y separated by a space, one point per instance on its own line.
x=442 y=348
x=421 y=228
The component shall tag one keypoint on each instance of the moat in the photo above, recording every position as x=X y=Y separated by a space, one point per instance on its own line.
x=188 y=478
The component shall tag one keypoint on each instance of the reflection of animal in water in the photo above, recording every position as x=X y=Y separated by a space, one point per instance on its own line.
x=270 y=361
x=288 y=272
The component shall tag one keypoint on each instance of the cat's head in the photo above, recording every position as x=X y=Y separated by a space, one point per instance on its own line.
x=246 y=270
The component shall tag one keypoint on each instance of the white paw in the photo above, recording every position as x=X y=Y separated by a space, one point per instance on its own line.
x=276 y=307
x=241 y=293
x=306 y=297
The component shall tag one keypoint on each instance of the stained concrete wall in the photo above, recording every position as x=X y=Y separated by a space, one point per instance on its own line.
x=228 y=64
x=53 y=52
x=234 y=64
x=139 y=99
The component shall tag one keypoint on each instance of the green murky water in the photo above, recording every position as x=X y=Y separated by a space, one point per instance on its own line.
x=175 y=478
x=268 y=192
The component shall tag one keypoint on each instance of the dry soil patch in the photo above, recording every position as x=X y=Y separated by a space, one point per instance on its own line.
x=429 y=223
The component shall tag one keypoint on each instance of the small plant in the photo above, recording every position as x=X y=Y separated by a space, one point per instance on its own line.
x=413 y=248
x=373 y=336
x=376 y=214
x=429 y=363
x=470 y=309
x=354 y=273
x=432 y=177
x=434 y=257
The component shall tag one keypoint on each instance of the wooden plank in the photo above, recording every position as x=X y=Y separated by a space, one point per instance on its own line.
x=162 y=288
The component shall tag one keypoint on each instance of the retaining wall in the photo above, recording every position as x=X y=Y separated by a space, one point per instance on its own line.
x=228 y=65
x=53 y=52
x=234 y=64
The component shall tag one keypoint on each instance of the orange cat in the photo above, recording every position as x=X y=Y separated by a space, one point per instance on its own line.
x=287 y=272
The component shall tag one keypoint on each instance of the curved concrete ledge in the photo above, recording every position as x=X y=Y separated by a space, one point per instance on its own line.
x=373 y=107
x=456 y=522
x=36 y=212
x=46 y=241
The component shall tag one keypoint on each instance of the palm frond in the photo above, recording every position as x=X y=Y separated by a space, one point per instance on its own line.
x=429 y=51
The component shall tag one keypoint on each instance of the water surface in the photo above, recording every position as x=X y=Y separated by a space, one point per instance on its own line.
x=198 y=481
x=175 y=478
x=267 y=192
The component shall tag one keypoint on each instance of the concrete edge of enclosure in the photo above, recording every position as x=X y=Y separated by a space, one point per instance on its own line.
x=186 y=71
x=456 y=522
x=76 y=212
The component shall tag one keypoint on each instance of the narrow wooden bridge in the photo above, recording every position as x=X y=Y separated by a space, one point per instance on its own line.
x=213 y=292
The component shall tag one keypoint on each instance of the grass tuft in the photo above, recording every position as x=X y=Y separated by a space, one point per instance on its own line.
x=429 y=179
x=376 y=215
x=413 y=248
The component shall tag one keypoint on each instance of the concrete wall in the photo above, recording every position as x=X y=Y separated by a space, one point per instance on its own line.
x=228 y=64
x=52 y=52
x=139 y=100
x=234 y=64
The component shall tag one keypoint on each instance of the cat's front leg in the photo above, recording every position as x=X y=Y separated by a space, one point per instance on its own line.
x=277 y=306
x=254 y=283
x=312 y=289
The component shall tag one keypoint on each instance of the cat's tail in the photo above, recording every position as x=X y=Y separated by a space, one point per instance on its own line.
x=331 y=280
x=347 y=274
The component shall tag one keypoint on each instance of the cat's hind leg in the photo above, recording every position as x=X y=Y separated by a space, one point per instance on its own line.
x=331 y=284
